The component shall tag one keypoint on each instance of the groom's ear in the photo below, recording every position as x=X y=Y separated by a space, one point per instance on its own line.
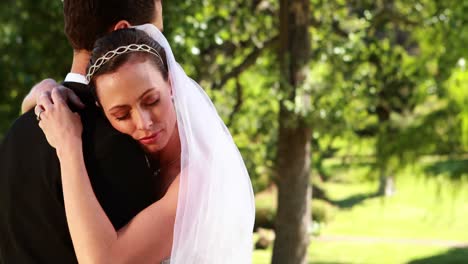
x=121 y=25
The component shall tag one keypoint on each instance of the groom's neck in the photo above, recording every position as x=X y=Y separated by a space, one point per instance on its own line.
x=80 y=61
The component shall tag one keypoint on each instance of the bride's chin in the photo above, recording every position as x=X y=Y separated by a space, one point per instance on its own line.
x=152 y=148
x=161 y=143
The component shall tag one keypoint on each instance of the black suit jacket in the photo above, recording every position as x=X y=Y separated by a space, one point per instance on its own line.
x=33 y=227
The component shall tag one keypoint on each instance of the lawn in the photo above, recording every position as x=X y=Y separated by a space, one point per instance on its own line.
x=417 y=225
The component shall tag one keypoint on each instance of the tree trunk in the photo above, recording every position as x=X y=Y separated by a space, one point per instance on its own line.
x=293 y=156
x=386 y=186
x=294 y=193
x=384 y=153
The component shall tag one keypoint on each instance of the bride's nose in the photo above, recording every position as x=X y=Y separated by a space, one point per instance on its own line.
x=143 y=120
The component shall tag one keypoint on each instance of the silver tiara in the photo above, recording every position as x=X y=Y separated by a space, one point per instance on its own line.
x=119 y=51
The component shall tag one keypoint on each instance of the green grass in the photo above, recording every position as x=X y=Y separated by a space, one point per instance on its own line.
x=424 y=208
x=345 y=252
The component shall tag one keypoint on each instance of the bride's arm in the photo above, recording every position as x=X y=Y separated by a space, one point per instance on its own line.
x=147 y=238
x=30 y=100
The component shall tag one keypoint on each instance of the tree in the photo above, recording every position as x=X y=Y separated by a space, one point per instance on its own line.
x=33 y=47
x=293 y=153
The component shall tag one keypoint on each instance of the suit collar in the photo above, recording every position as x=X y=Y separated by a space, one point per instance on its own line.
x=81 y=89
x=75 y=77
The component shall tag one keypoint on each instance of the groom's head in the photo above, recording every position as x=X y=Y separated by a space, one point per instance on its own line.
x=88 y=20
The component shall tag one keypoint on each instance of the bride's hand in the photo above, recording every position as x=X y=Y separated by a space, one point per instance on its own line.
x=61 y=126
x=44 y=88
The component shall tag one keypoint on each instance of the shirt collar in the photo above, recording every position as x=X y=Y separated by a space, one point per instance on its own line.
x=76 y=77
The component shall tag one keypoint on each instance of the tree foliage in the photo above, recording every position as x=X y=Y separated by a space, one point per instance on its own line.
x=384 y=78
x=33 y=47
x=392 y=72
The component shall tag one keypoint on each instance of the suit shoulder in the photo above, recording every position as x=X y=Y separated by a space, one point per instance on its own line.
x=26 y=120
x=25 y=127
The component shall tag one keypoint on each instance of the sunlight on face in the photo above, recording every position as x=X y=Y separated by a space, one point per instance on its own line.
x=137 y=101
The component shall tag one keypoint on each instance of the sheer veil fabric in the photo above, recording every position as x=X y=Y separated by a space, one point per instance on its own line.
x=216 y=208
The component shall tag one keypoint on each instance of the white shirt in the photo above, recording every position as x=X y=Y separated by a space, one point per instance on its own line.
x=76 y=77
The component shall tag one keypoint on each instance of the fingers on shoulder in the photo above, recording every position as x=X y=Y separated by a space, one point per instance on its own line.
x=38 y=109
x=57 y=96
x=44 y=100
x=70 y=95
x=46 y=85
x=76 y=100
x=49 y=82
x=51 y=99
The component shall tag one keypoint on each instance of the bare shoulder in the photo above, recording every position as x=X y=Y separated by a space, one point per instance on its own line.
x=172 y=193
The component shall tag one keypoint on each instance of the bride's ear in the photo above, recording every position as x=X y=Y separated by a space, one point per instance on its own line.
x=169 y=80
x=121 y=25
x=170 y=84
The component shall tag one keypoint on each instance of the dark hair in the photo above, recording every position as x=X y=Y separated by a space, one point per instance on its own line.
x=88 y=20
x=125 y=37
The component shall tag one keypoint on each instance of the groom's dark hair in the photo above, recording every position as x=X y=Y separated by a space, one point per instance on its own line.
x=88 y=20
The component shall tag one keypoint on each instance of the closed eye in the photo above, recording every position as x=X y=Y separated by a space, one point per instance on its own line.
x=122 y=117
x=153 y=102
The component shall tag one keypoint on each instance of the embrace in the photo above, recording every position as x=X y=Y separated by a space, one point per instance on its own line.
x=132 y=162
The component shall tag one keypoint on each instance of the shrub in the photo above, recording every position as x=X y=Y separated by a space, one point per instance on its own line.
x=322 y=211
x=265 y=217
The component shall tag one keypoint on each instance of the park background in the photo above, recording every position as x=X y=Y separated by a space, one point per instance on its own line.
x=351 y=115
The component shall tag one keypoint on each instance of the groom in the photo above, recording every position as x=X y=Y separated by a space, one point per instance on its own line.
x=33 y=226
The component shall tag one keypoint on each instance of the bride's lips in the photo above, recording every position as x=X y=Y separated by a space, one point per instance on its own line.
x=150 y=139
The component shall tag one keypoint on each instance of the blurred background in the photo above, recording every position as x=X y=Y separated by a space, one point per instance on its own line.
x=351 y=115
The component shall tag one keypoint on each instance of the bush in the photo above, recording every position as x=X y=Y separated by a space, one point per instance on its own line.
x=265 y=217
x=322 y=211
x=265 y=202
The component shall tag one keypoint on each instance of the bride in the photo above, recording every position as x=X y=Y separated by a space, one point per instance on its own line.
x=206 y=213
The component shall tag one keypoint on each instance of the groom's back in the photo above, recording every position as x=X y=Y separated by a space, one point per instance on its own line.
x=32 y=216
x=33 y=227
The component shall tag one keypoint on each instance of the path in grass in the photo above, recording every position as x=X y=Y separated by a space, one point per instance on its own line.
x=373 y=240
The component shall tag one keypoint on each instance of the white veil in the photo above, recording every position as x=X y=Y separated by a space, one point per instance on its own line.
x=216 y=208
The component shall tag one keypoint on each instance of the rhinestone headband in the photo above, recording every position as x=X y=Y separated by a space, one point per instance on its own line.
x=119 y=51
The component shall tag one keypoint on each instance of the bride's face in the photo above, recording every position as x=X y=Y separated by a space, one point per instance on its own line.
x=137 y=101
